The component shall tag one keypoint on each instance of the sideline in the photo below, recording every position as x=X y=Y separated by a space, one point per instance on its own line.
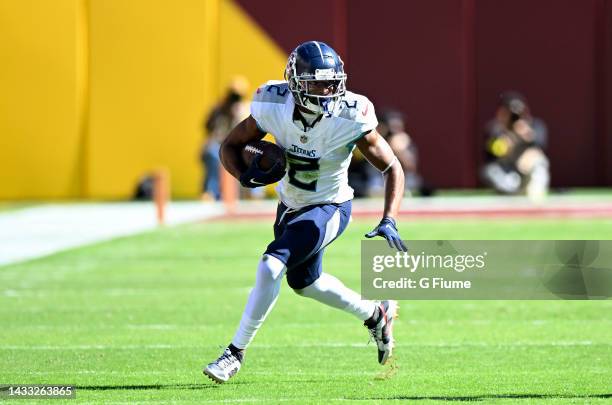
x=39 y=231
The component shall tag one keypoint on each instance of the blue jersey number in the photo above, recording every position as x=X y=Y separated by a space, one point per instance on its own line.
x=307 y=167
x=278 y=90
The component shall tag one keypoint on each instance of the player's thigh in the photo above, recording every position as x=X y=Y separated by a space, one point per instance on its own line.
x=301 y=274
x=337 y=223
x=300 y=235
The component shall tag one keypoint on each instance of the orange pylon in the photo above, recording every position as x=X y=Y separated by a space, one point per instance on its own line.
x=161 y=193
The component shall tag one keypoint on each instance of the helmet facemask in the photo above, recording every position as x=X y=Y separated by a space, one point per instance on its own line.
x=302 y=87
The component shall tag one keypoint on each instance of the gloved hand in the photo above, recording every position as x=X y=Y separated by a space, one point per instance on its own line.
x=255 y=177
x=388 y=230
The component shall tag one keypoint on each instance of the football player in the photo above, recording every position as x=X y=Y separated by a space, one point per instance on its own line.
x=318 y=123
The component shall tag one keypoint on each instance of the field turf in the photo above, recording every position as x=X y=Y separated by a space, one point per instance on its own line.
x=133 y=320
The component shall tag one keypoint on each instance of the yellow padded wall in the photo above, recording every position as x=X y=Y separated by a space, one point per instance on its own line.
x=148 y=64
x=39 y=106
x=98 y=92
x=156 y=69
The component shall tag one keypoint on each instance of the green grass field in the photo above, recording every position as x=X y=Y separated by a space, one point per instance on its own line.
x=134 y=320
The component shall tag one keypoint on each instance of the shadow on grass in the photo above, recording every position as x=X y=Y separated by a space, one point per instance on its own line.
x=152 y=387
x=485 y=397
x=466 y=398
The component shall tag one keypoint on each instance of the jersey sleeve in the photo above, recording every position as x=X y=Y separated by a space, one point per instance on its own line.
x=267 y=99
x=258 y=109
x=366 y=116
x=363 y=118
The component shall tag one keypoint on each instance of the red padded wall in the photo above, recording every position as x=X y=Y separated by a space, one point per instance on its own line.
x=605 y=133
x=444 y=63
x=546 y=50
x=291 y=23
x=406 y=59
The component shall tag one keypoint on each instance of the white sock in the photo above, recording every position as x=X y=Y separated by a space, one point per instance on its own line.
x=261 y=300
x=329 y=290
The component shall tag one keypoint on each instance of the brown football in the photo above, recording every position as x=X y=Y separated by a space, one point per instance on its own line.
x=270 y=154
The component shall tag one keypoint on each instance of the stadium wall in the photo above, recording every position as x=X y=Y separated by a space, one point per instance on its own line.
x=147 y=86
x=97 y=93
x=40 y=105
x=605 y=108
x=444 y=63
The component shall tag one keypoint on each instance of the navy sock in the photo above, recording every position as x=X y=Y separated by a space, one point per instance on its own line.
x=239 y=353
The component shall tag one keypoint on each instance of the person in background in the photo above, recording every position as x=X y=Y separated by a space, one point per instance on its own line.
x=360 y=176
x=515 y=161
x=221 y=120
x=392 y=127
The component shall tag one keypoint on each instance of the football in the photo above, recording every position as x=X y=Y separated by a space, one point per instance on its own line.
x=270 y=155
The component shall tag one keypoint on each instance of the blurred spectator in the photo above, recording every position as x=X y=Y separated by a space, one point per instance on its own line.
x=364 y=178
x=515 y=145
x=392 y=128
x=225 y=116
x=359 y=175
x=144 y=188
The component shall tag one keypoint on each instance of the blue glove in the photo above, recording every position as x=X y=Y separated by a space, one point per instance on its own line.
x=388 y=230
x=255 y=177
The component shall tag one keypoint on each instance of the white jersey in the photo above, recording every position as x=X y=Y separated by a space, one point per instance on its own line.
x=318 y=159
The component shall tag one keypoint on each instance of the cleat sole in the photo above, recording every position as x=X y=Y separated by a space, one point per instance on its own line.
x=212 y=377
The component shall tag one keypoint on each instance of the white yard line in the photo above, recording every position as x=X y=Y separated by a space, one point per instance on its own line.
x=40 y=231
